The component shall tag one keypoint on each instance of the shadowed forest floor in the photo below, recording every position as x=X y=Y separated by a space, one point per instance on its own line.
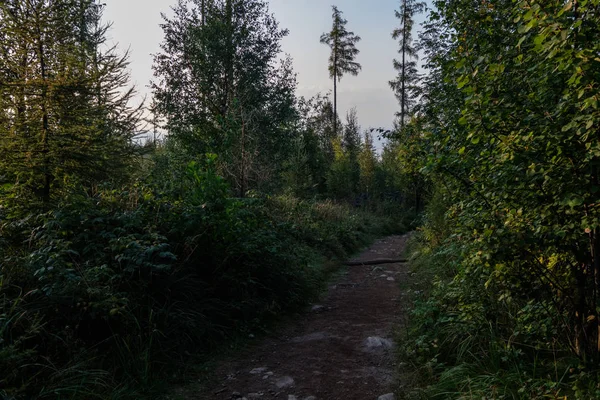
x=342 y=348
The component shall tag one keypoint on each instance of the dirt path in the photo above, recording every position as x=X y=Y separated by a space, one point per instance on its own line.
x=341 y=349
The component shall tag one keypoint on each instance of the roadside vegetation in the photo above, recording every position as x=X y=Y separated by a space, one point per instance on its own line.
x=507 y=258
x=134 y=237
x=108 y=292
x=124 y=256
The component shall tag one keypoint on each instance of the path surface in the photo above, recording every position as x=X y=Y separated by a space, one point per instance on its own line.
x=341 y=349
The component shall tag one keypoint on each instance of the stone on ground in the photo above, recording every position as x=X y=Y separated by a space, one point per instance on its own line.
x=284 y=382
x=317 y=308
x=259 y=371
x=375 y=342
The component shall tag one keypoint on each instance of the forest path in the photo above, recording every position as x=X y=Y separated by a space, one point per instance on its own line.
x=341 y=349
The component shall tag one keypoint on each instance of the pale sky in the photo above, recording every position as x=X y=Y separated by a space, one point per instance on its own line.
x=136 y=27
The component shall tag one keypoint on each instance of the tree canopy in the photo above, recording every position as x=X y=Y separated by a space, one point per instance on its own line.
x=64 y=118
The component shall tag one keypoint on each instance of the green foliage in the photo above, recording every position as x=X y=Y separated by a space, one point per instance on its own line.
x=64 y=116
x=343 y=53
x=343 y=47
x=307 y=172
x=351 y=142
x=367 y=163
x=406 y=85
x=340 y=179
x=235 y=98
x=109 y=289
x=110 y=277
x=507 y=132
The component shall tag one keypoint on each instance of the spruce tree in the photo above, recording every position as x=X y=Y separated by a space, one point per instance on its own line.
x=343 y=54
x=351 y=144
x=368 y=164
x=405 y=86
x=316 y=128
x=64 y=118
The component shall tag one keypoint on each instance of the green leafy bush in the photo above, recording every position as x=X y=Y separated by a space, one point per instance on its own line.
x=106 y=291
x=479 y=330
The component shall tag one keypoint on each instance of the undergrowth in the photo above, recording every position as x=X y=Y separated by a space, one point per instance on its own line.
x=470 y=337
x=107 y=293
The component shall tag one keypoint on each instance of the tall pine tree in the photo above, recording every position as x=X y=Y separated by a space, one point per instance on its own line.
x=343 y=53
x=405 y=86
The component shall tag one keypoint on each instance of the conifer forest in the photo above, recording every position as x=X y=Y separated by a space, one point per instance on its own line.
x=144 y=242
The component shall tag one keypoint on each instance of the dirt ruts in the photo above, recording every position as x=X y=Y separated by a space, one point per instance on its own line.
x=342 y=348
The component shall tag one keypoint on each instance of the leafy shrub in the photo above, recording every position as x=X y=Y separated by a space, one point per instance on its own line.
x=105 y=291
x=480 y=329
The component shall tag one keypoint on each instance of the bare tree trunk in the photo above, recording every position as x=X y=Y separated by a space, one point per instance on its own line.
x=243 y=167
x=335 y=77
x=592 y=321
x=230 y=51
x=580 y=314
x=45 y=139
x=596 y=270
x=403 y=103
x=21 y=103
